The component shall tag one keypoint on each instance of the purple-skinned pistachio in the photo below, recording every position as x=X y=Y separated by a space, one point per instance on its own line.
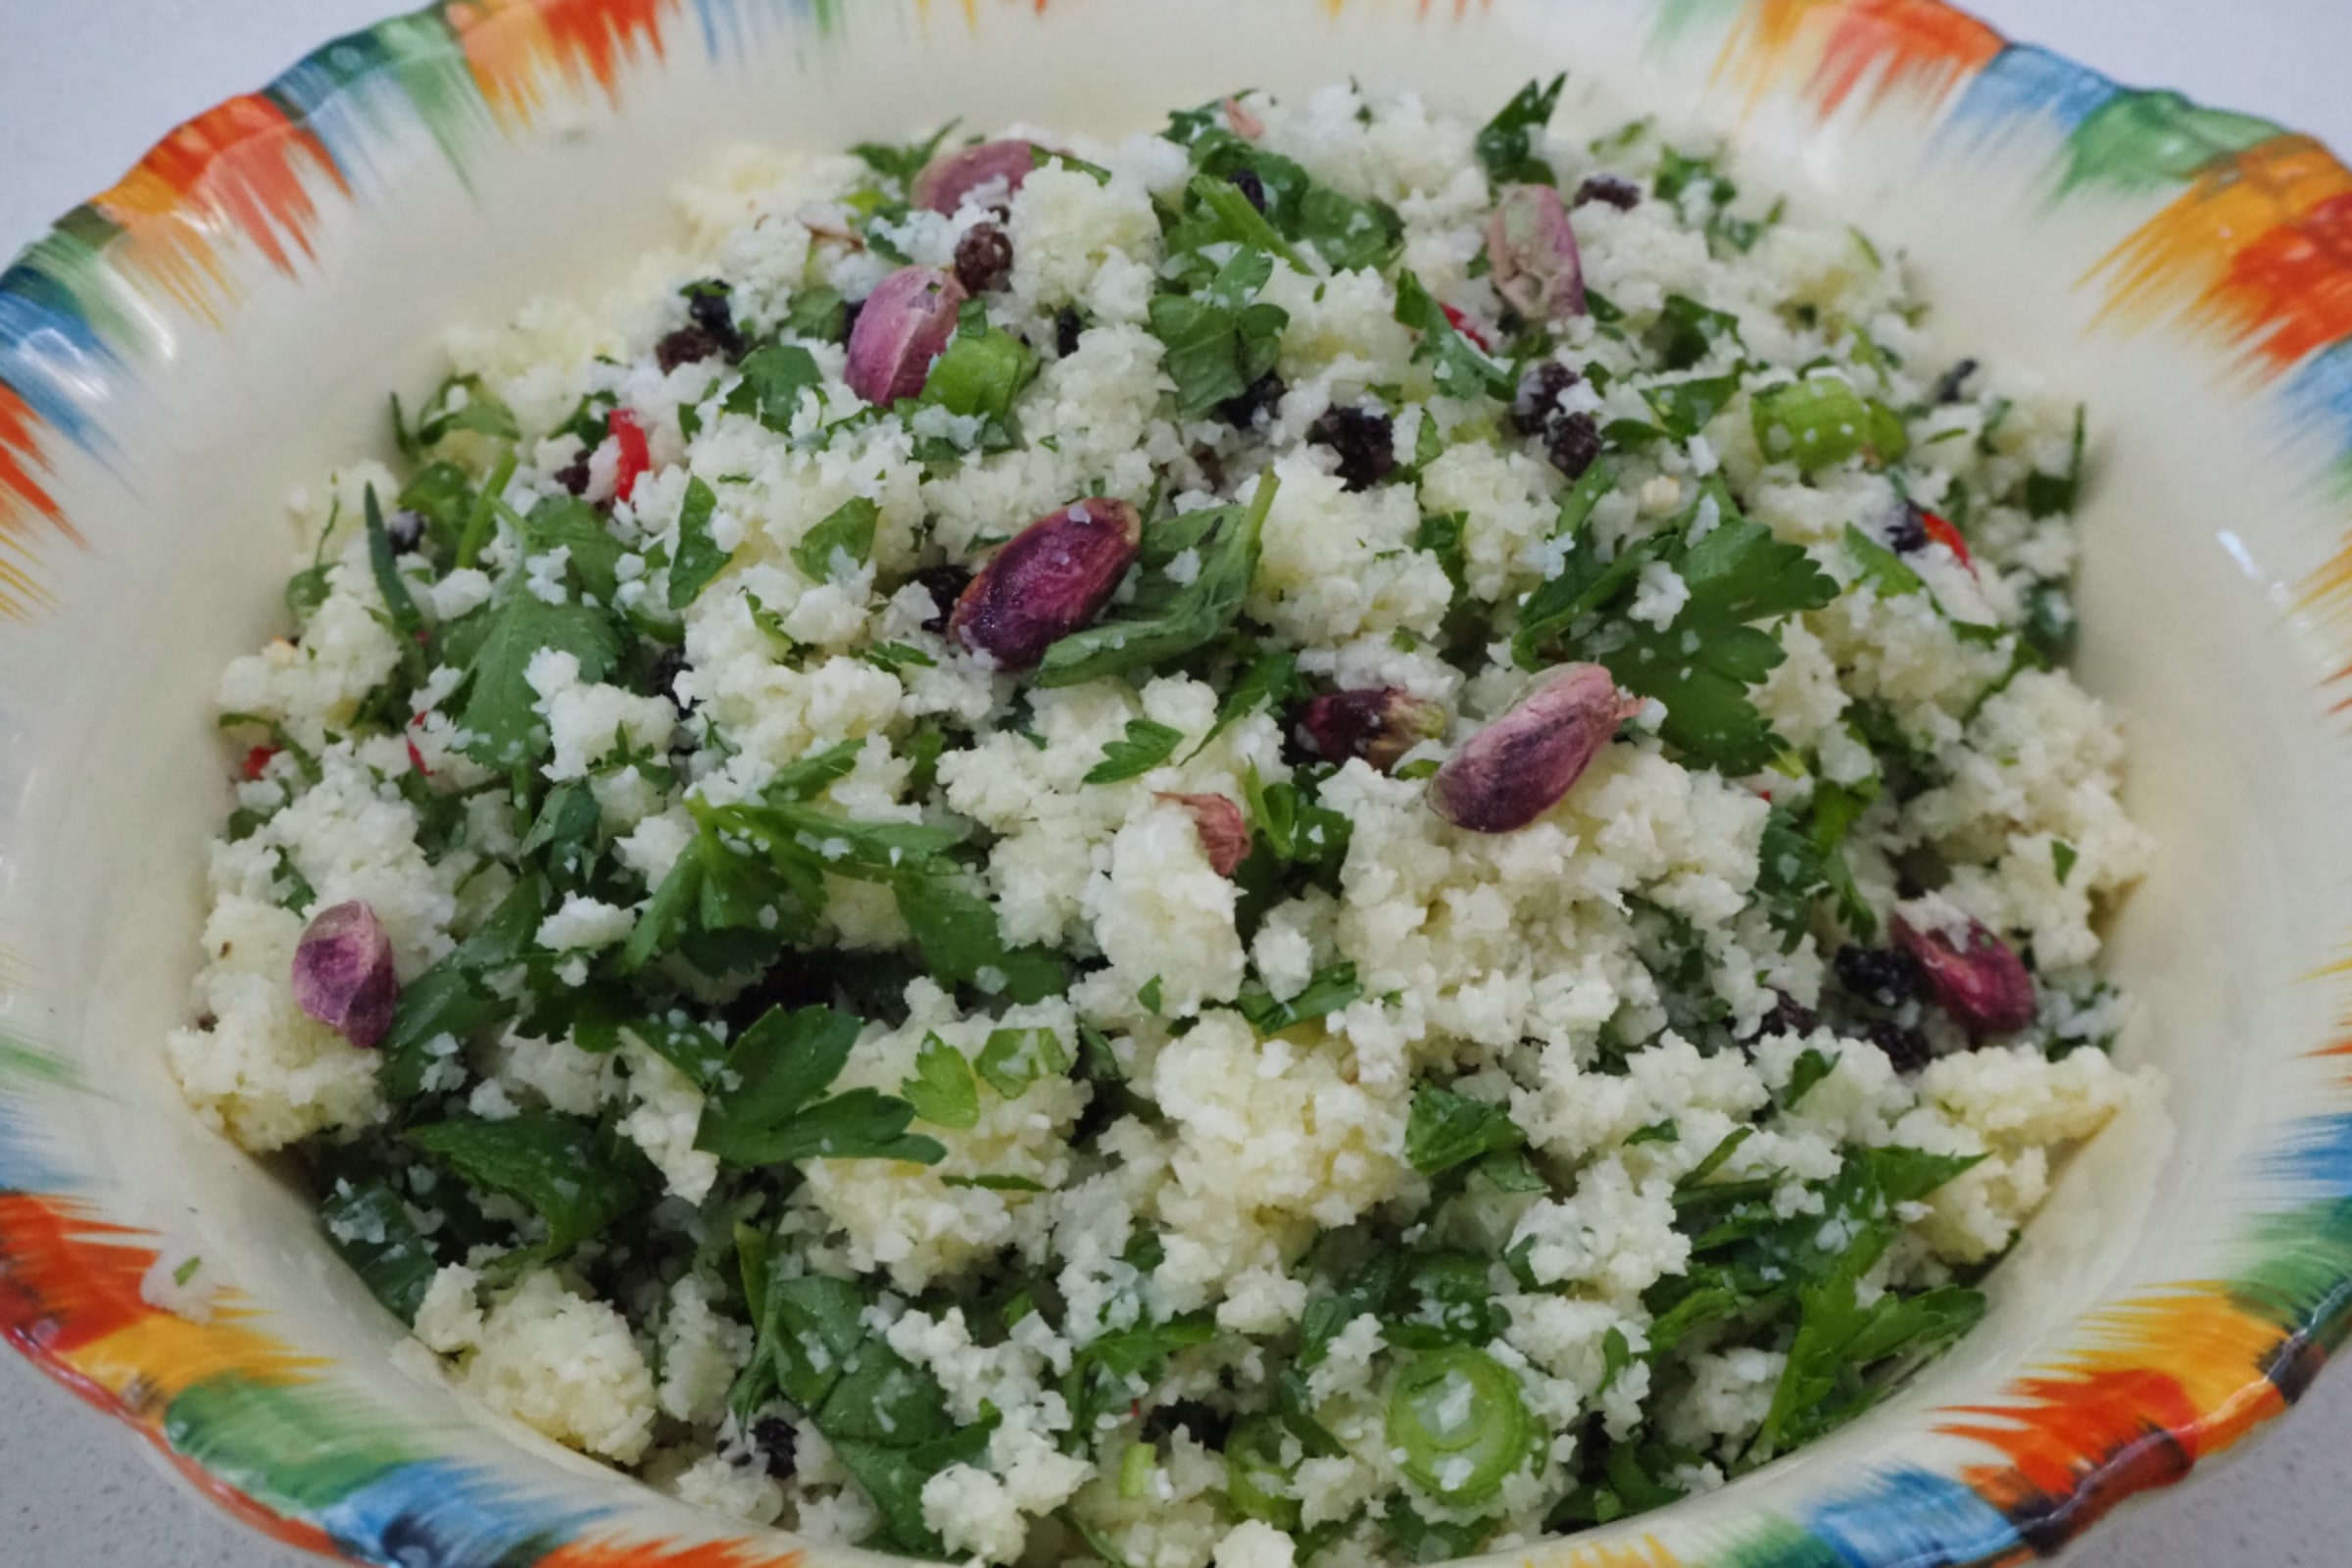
x=1532 y=255
x=1224 y=834
x=1526 y=761
x=949 y=178
x=343 y=973
x=1049 y=580
x=1378 y=723
x=906 y=325
x=1977 y=980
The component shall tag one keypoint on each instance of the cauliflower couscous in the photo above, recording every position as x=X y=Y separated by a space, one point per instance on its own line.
x=1333 y=836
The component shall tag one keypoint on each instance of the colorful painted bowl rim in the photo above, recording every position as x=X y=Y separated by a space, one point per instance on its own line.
x=2079 y=1440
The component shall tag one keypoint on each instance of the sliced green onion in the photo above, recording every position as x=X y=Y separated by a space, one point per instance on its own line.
x=1135 y=1470
x=1457 y=1418
x=1257 y=1482
x=1814 y=422
x=1889 y=439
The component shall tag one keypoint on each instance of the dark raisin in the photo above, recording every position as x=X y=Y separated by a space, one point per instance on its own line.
x=710 y=307
x=1788 y=1016
x=983 y=258
x=945 y=585
x=1909 y=530
x=1610 y=190
x=1950 y=385
x=1067 y=326
x=688 y=345
x=1885 y=976
x=1538 y=402
x=792 y=982
x=1263 y=393
x=1207 y=1425
x=778 y=1444
x=1571 y=443
x=403 y=530
x=1905 y=1047
x=1364 y=439
x=666 y=669
x=573 y=476
x=1245 y=181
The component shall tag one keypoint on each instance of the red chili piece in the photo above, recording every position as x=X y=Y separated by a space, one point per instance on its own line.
x=417 y=760
x=635 y=452
x=1468 y=329
x=259 y=758
x=1945 y=534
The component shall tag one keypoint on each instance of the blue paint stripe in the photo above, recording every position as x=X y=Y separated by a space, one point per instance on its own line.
x=2315 y=1154
x=440 y=1511
x=2318 y=394
x=2025 y=83
x=1910 y=1518
x=53 y=356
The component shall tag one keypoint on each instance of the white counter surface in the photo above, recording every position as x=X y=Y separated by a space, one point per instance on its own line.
x=86 y=86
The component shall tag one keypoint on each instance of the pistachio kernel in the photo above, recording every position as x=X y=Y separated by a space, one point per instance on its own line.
x=1526 y=761
x=1049 y=580
x=343 y=973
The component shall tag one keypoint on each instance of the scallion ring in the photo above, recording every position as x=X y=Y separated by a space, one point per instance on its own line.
x=1457 y=1419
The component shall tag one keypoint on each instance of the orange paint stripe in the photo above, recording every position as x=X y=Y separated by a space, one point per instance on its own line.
x=599 y=37
x=21 y=493
x=244 y=166
x=1763 y=43
x=1922 y=44
x=2290 y=290
x=1647 y=1552
x=163 y=1357
x=2191 y=246
x=515 y=48
x=65 y=1280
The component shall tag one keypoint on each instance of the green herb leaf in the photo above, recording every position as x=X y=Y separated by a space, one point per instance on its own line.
x=1881 y=567
x=943 y=1089
x=1014 y=1059
x=765 y=1110
x=462 y=403
x=500 y=713
x=1218 y=342
x=1810 y=1069
x=902 y=162
x=839 y=545
x=369 y=1228
x=2049 y=495
x=579 y=1180
x=2063 y=856
x=1446 y=1129
x=407 y=622
x=451 y=998
x=1703 y=664
x=699 y=559
x=819 y=314
x=1190 y=617
x=1506 y=144
x=773 y=381
x=570 y=525
x=1329 y=991
x=1463 y=369
x=1145 y=746
x=1271 y=680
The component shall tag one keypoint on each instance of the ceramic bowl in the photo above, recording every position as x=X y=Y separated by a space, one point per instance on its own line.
x=224 y=324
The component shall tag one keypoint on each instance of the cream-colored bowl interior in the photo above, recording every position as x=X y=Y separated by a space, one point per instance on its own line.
x=2202 y=518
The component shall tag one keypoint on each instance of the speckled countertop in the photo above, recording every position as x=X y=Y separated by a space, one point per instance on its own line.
x=86 y=86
